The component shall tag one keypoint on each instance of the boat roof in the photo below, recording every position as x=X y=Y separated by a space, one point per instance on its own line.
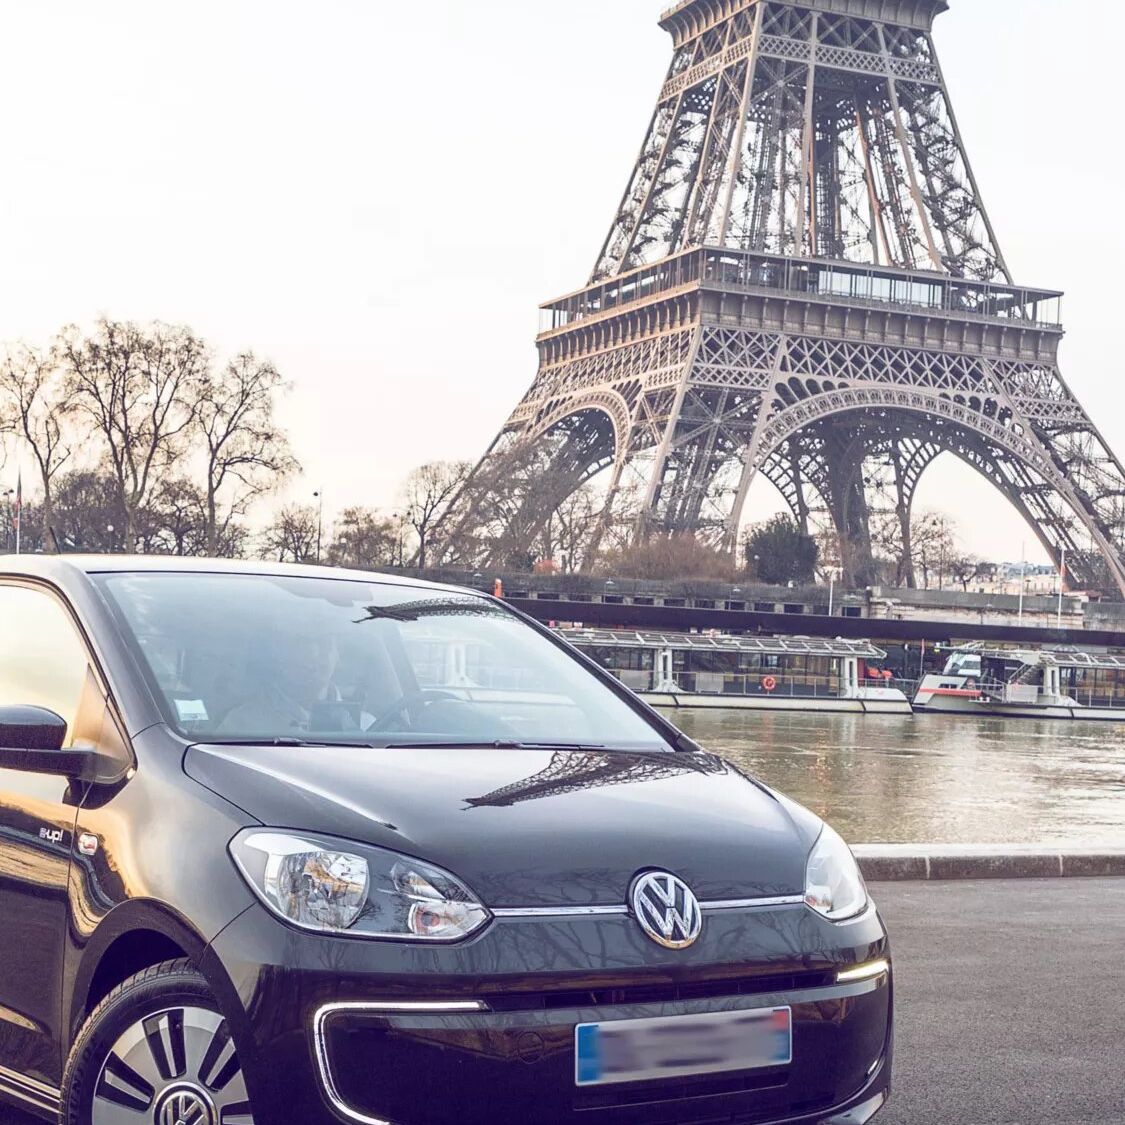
x=1063 y=657
x=722 y=642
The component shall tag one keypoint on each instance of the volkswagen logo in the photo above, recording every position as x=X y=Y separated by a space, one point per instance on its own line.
x=184 y=1107
x=666 y=909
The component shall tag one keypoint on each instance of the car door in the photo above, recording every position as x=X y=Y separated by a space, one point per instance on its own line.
x=43 y=663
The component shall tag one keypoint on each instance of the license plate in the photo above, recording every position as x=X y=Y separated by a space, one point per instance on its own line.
x=641 y=1050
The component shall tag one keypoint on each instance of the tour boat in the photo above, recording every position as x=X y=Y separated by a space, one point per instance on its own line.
x=673 y=670
x=1064 y=683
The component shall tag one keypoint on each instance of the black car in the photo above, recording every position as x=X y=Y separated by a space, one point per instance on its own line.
x=294 y=845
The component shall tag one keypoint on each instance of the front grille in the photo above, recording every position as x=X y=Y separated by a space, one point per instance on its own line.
x=657 y=993
x=707 y=1099
x=699 y=1086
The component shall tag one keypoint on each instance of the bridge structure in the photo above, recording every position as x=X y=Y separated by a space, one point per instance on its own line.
x=800 y=282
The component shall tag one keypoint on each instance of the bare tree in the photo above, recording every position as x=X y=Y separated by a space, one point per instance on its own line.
x=35 y=407
x=364 y=539
x=292 y=535
x=933 y=541
x=428 y=492
x=570 y=529
x=88 y=516
x=140 y=388
x=247 y=453
x=173 y=522
x=967 y=569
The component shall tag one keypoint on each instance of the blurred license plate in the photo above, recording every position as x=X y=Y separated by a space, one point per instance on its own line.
x=641 y=1050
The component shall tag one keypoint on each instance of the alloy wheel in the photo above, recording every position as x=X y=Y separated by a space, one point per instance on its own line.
x=177 y=1066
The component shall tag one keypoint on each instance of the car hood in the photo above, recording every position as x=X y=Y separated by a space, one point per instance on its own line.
x=529 y=827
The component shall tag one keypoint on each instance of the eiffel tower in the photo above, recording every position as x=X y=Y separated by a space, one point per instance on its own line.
x=801 y=281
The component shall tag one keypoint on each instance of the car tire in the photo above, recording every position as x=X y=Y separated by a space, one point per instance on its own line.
x=157 y=1046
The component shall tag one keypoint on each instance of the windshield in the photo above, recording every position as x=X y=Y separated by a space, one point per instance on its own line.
x=963 y=664
x=258 y=658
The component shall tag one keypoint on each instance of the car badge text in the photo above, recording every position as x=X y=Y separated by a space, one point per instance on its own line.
x=666 y=909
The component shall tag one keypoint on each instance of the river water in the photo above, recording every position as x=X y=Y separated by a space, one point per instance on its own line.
x=934 y=778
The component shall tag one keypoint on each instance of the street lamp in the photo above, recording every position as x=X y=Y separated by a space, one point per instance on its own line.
x=400 y=550
x=1062 y=582
x=319 y=498
x=11 y=519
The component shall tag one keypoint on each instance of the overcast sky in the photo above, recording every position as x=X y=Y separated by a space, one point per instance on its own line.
x=378 y=195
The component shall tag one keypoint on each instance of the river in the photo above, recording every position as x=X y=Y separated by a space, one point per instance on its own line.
x=934 y=778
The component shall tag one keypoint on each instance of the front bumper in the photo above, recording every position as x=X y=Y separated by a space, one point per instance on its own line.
x=319 y=1045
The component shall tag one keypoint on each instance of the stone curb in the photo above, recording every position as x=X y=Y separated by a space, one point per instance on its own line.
x=912 y=862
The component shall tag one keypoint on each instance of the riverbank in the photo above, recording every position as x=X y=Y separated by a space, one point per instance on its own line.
x=934 y=862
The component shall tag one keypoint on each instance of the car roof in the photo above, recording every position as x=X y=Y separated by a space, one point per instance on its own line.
x=60 y=567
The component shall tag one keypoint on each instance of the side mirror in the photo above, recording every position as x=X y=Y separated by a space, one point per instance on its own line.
x=31 y=740
x=31 y=728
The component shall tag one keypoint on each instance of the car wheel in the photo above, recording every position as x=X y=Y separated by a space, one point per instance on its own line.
x=156 y=1051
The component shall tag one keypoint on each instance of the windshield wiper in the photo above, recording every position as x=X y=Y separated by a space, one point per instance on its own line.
x=495 y=744
x=284 y=742
x=379 y=612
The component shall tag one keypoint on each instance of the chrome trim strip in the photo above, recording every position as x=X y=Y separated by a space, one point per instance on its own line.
x=755 y=903
x=557 y=911
x=404 y=1006
x=30 y=1091
x=323 y=1013
x=593 y=911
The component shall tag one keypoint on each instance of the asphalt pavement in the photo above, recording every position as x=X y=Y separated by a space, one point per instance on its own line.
x=1011 y=1002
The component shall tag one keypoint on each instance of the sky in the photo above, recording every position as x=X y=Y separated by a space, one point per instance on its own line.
x=377 y=196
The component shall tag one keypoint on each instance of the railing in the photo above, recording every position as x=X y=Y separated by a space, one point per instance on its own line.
x=1093 y=699
x=869 y=285
x=763 y=684
x=992 y=689
x=997 y=691
x=856 y=283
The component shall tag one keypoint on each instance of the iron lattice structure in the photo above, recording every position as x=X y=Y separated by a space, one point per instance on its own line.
x=800 y=281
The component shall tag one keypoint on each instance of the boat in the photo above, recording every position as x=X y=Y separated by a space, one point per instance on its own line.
x=717 y=670
x=1063 y=683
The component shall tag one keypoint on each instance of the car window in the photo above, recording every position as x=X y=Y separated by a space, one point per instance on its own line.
x=258 y=657
x=43 y=660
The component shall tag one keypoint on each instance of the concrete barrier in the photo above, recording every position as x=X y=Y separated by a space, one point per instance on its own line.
x=903 y=862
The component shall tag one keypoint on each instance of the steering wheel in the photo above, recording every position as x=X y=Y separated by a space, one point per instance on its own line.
x=406 y=702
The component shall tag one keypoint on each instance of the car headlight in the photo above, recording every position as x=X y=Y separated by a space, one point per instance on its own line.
x=333 y=886
x=834 y=886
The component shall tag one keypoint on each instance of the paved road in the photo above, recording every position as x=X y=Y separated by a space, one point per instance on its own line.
x=1011 y=1007
x=1011 y=1001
